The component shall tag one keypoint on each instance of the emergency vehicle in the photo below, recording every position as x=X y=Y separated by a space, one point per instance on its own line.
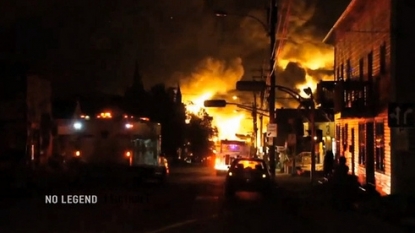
x=116 y=142
x=228 y=151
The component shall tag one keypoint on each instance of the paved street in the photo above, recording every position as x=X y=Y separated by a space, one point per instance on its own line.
x=191 y=201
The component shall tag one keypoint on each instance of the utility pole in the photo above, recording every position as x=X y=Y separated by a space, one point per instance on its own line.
x=255 y=123
x=272 y=34
x=313 y=139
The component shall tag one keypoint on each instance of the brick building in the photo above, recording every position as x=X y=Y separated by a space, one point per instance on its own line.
x=374 y=50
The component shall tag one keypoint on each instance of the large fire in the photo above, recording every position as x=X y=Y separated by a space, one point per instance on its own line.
x=228 y=121
x=215 y=77
x=312 y=64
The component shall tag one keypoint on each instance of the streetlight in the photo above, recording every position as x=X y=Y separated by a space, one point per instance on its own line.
x=271 y=31
x=312 y=105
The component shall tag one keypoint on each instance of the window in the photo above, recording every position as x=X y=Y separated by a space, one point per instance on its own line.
x=249 y=164
x=361 y=69
x=337 y=138
x=362 y=144
x=343 y=135
x=380 y=147
x=370 y=66
x=382 y=59
x=346 y=134
x=348 y=70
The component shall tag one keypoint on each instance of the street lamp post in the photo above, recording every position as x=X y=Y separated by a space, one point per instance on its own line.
x=272 y=118
x=312 y=107
x=271 y=30
x=308 y=103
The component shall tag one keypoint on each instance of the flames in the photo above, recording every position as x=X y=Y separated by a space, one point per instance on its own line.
x=312 y=64
x=194 y=105
x=228 y=121
x=213 y=78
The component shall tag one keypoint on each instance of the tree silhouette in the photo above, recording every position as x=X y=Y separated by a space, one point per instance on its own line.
x=198 y=133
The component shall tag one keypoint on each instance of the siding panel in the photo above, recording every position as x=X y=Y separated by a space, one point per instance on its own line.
x=369 y=31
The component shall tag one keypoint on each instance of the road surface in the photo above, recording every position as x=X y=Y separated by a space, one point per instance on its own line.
x=191 y=201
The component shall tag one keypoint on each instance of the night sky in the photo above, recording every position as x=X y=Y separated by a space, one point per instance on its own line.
x=94 y=44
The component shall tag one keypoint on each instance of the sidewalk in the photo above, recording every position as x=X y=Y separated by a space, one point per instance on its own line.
x=313 y=206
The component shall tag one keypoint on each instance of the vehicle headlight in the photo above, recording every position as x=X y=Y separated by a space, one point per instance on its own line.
x=77 y=125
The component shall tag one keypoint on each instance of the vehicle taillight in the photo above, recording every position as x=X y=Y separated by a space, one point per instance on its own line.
x=77 y=153
x=128 y=153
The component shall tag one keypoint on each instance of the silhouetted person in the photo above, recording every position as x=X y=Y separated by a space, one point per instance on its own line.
x=328 y=164
x=341 y=169
x=344 y=186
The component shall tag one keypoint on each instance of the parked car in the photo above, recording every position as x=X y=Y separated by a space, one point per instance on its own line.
x=303 y=162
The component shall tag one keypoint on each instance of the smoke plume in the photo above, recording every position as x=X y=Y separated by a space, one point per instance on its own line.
x=213 y=76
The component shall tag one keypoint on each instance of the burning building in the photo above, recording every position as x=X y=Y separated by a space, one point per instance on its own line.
x=373 y=68
x=302 y=61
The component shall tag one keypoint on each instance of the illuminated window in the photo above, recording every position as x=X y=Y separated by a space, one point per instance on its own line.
x=337 y=137
x=379 y=147
x=249 y=164
x=346 y=134
x=362 y=144
x=343 y=135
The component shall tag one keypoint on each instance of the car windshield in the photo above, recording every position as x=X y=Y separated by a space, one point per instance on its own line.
x=249 y=164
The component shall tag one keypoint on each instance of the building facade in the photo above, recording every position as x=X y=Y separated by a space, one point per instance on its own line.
x=373 y=54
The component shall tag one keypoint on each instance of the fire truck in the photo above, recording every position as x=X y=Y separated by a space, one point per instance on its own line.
x=128 y=143
x=228 y=151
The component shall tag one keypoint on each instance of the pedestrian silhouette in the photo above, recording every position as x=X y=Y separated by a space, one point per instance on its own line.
x=328 y=164
x=341 y=169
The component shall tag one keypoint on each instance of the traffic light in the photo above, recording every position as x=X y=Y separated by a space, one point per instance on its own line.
x=215 y=103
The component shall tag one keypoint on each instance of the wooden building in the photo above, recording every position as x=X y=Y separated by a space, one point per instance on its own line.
x=374 y=50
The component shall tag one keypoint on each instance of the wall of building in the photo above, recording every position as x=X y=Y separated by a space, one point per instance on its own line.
x=382 y=178
x=367 y=37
